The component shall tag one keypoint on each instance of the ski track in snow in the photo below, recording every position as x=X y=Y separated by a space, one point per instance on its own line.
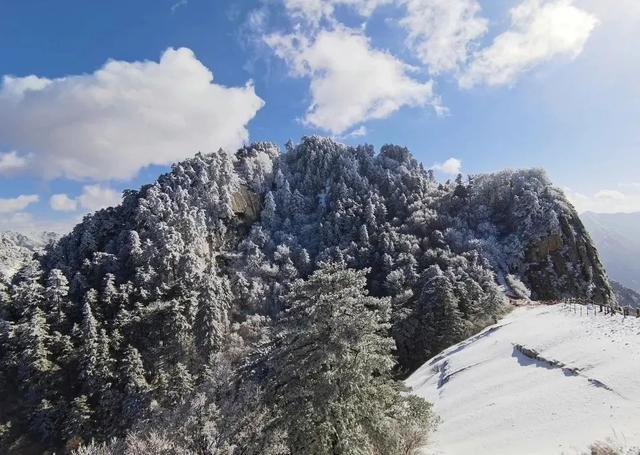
x=544 y=380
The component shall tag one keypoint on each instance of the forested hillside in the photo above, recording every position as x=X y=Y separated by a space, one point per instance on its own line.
x=182 y=313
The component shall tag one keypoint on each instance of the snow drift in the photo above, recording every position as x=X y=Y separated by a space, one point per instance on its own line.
x=544 y=380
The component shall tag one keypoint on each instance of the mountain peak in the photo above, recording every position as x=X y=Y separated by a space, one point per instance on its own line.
x=217 y=245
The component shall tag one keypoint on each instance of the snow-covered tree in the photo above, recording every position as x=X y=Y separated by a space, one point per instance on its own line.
x=186 y=265
x=211 y=321
x=329 y=371
x=132 y=376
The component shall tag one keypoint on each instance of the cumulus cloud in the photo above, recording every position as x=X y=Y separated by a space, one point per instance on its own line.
x=439 y=32
x=452 y=166
x=63 y=203
x=442 y=32
x=111 y=123
x=11 y=162
x=16 y=204
x=95 y=197
x=540 y=30
x=350 y=81
x=606 y=200
x=445 y=36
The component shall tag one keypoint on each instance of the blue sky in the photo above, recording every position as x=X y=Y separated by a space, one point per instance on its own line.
x=466 y=85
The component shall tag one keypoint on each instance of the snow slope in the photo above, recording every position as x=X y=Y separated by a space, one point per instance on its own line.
x=544 y=380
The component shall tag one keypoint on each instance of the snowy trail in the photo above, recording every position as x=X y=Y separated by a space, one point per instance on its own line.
x=544 y=380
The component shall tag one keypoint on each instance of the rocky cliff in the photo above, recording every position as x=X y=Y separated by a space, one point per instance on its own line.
x=566 y=263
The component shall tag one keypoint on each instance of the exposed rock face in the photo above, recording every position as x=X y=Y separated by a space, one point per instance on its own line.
x=569 y=257
x=246 y=204
x=527 y=228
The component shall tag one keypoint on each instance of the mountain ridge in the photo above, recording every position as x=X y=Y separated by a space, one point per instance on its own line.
x=200 y=265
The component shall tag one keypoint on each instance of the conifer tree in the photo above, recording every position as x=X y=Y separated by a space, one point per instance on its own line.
x=27 y=292
x=88 y=362
x=211 y=318
x=78 y=420
x=180 y=384
x=269 y=210
x=135 y=386
x=56 y=297
x=35 y=363
x=329 y=372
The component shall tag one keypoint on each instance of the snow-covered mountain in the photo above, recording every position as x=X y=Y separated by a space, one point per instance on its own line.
x=164 y=299
x=625 y=296
x=617 y=237
x=543 y=380
x=16 y=248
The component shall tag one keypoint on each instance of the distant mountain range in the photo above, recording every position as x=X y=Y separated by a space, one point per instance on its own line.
x=625 y=296
x=16 y=249
x=617 y=237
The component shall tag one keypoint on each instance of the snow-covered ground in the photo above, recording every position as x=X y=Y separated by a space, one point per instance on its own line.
x=544 y=380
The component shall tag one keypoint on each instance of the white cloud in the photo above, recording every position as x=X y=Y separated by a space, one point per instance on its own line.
x=439 y=32
x=95 y=197
x=63 y=203
x=442 y=32
x=452 y=166
x=26 y=223
x=16 y=204
x=111 y=123
x=310 y=10
x=178 y=4
x=605 y=201
x=313 y=11
x=19 y=222
x=257 y=20
x=20 y=86
x=609 y=195
x=358 y=132
x=540 y=30
x=350 y=81
x=11 y=162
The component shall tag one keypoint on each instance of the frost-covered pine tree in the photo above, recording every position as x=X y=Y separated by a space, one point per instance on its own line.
x=56 y=297
x=211 y=318
x=329 y=371
x=132 y=376
x=78 y=420
x=88 y=360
